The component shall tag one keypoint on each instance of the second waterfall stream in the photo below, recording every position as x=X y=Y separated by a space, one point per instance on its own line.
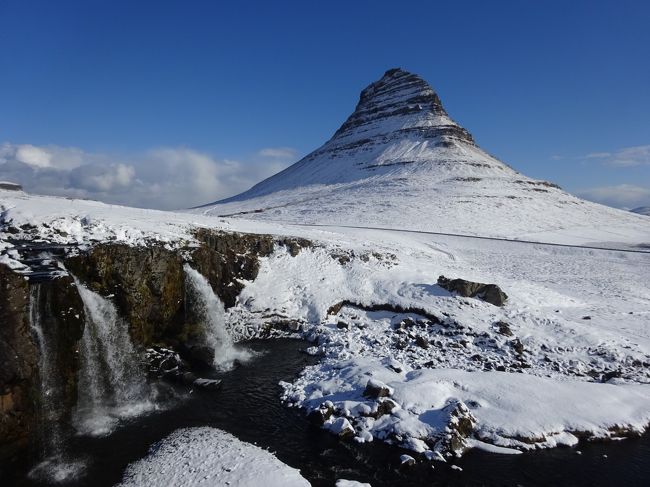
x=210 y=310
x=112 y=382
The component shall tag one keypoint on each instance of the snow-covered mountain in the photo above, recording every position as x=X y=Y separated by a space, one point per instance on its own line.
x=400 y=161
x=642 y=210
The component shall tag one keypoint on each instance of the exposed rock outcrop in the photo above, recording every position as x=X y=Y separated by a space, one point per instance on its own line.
x=61 y=316
x=490 y=293
x=147 y=286
x=18 y=362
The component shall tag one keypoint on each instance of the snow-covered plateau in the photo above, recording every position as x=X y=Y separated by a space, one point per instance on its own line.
x=395 y=200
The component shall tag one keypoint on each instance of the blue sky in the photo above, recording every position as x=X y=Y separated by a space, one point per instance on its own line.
x=96 y=94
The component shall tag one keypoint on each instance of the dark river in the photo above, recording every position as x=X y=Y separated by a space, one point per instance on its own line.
x=248 y=406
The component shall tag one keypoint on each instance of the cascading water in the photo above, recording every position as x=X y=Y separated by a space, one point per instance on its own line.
x=112 y=382
x=54 y=467
x=210 y=309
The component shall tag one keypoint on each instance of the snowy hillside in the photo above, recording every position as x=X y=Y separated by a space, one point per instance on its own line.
x=399 y=161
x=572 y=335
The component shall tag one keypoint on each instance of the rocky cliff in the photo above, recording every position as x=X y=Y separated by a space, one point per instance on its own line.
x=147 y=285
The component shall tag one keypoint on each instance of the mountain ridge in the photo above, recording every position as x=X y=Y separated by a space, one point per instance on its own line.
x=400 y=161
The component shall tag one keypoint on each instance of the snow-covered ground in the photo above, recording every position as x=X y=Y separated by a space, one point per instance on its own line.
x=209 y=456
x=568 y=356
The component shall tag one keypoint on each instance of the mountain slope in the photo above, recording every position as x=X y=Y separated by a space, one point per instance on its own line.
x=400 y=161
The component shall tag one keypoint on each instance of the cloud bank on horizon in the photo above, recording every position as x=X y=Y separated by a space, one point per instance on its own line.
x=163 y=178
x=170 y=178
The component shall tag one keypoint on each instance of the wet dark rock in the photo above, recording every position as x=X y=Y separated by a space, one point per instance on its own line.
x=322 y=413
x=342 y=325
x=199 y=354
x=586 y=317
x=422 y=342
x=490 y=293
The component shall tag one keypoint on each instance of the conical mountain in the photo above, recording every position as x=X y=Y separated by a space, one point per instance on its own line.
x=400 y=161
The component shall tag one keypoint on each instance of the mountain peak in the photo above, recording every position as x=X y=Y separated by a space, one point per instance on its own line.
x=404 y=102
x=398 y=131
x=411 y=88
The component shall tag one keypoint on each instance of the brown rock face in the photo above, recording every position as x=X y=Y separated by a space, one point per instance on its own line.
x=147 y=284
x=18 y=362
x=62 y=321
x=226 y=258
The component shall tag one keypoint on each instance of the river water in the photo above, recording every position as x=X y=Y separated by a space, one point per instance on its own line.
x=248 y=406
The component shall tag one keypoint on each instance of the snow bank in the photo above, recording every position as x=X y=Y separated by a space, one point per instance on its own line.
x=209 y=456
x=511 y=410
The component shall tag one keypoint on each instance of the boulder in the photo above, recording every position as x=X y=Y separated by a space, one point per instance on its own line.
x=341 y=427
x=322 y=413
x=376 y=389
x=385 y=406
x=490 y=293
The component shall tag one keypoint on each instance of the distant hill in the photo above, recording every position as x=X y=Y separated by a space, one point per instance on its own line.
x=642 y=210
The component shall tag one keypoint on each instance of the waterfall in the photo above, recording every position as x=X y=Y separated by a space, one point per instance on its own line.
x=210 y=309
x=112 y=382
x=51 y=435
x=52 y=438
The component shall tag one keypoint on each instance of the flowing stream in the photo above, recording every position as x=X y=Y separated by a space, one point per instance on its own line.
x=210 y=310
x=112 y=383
x=249 y=407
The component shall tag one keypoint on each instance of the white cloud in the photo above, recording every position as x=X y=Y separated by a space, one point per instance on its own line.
x=621 y=195
x=50 y=157
x=278 y=152
x=103 y=179
x=628 y=156
x=165 y=177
